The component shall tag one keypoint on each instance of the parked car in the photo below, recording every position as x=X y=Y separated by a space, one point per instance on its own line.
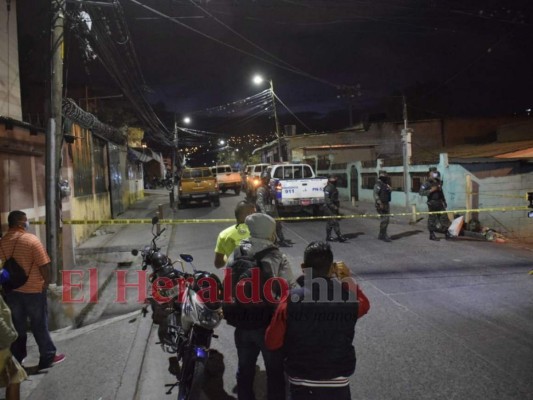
x=295 y=187
x=198 y=185
x=252 y=178
x=227 y=178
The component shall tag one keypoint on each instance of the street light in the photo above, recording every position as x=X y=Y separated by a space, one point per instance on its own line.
x=186 y=120
x=258 y=79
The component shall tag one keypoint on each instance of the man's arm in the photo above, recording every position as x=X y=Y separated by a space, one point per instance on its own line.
x=362 y=300
x=220 y=260
x=275 y=333
x=45 y=273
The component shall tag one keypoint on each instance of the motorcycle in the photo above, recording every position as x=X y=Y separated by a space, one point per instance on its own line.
x=187 y=307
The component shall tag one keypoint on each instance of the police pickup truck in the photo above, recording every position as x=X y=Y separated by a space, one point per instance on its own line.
x=295 y=187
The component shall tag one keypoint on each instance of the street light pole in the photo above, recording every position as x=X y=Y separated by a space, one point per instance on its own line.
x=406 y=139
x=276 y=120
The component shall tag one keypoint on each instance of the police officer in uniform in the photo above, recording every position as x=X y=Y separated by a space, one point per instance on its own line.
x=265 y=204
x=432 y=188
x=382 y=198
x=331 y=208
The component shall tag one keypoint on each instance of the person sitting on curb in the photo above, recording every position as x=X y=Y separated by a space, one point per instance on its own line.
x=230 y=237
x=315 y=327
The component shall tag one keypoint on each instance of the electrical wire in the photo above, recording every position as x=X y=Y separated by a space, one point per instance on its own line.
x=282 y=66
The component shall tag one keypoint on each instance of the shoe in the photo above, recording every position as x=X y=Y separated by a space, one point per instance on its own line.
x=289 y=241
x=433 y=237
x=284 y=244
x=342 y=239
x=330 y=239
x=58 y=358
x=385 y=238
x=448 y=236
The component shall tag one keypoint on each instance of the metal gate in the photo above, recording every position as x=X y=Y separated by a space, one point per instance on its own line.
x=116 y=180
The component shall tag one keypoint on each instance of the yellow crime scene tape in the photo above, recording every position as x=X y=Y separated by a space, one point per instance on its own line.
x=171 y=221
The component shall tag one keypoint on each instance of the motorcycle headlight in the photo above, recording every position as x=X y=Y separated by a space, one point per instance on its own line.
x=209 y=319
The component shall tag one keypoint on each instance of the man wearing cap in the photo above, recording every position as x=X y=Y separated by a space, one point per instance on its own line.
x=250 y=332
x=432 y=188
x=382 y=198
x=331 y=208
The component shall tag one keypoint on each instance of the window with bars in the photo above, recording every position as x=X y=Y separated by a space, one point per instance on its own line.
x=369 y=180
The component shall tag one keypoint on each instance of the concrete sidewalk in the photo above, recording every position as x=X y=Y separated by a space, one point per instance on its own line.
x=94 y=334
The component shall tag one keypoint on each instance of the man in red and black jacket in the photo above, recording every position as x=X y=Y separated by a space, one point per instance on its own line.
x=315 y=326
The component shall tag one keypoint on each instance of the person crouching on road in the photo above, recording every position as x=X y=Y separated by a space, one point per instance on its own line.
x=331 y=208
x=432 y=188
x=231 y=237
x=250 y=324
x=382 y=198
x=315 y=327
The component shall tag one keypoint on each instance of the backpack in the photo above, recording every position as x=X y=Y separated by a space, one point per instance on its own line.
x=252 y=315
x=14 y=276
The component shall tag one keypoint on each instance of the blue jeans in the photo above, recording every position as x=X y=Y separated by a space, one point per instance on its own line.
x=249 y=343
x=32 y=306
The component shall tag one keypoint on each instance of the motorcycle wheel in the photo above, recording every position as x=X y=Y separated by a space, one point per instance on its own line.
x=190 y=387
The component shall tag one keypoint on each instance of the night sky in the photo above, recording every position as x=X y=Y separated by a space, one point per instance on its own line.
x=450 y=58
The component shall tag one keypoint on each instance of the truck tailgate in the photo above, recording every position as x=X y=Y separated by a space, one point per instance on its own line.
x=302 y=191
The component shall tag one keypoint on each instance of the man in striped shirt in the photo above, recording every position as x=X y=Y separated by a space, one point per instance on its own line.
x=315 y=326
x=29 y=300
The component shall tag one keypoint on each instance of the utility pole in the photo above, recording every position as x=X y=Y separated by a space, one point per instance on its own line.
x=406 y=140
x=173 y=172
x=54 y=136
x=276 y=120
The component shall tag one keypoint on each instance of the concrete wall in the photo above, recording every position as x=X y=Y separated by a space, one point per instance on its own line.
x=9 y=63
x=493 y=185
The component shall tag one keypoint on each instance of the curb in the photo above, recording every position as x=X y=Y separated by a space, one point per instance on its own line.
x=131 y=373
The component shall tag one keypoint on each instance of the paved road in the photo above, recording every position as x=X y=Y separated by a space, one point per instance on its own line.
x=448 y=319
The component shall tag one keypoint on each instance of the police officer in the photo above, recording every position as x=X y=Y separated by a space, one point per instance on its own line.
x=265 y=204
x=382 y=197
x=432 y=188
x=331 y=208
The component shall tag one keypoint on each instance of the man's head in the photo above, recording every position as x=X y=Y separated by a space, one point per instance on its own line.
x=319 y=257
x=333 y=179
x=261 y=226
x=383 y=176
x=242 y=210
x=434 y=173
x=265 y=177
x=17 y=218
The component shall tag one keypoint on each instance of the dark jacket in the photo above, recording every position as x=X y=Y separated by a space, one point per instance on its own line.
x=319 y=336
x=436 y=195
x=331 y=198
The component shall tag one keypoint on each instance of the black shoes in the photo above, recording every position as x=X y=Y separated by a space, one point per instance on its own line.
x=448 y=236
x=433 y=237
x=330 y=239
x=385 y=238
x=342 y=239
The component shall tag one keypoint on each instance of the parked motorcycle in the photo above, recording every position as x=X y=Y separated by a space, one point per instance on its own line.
x=187 y=307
